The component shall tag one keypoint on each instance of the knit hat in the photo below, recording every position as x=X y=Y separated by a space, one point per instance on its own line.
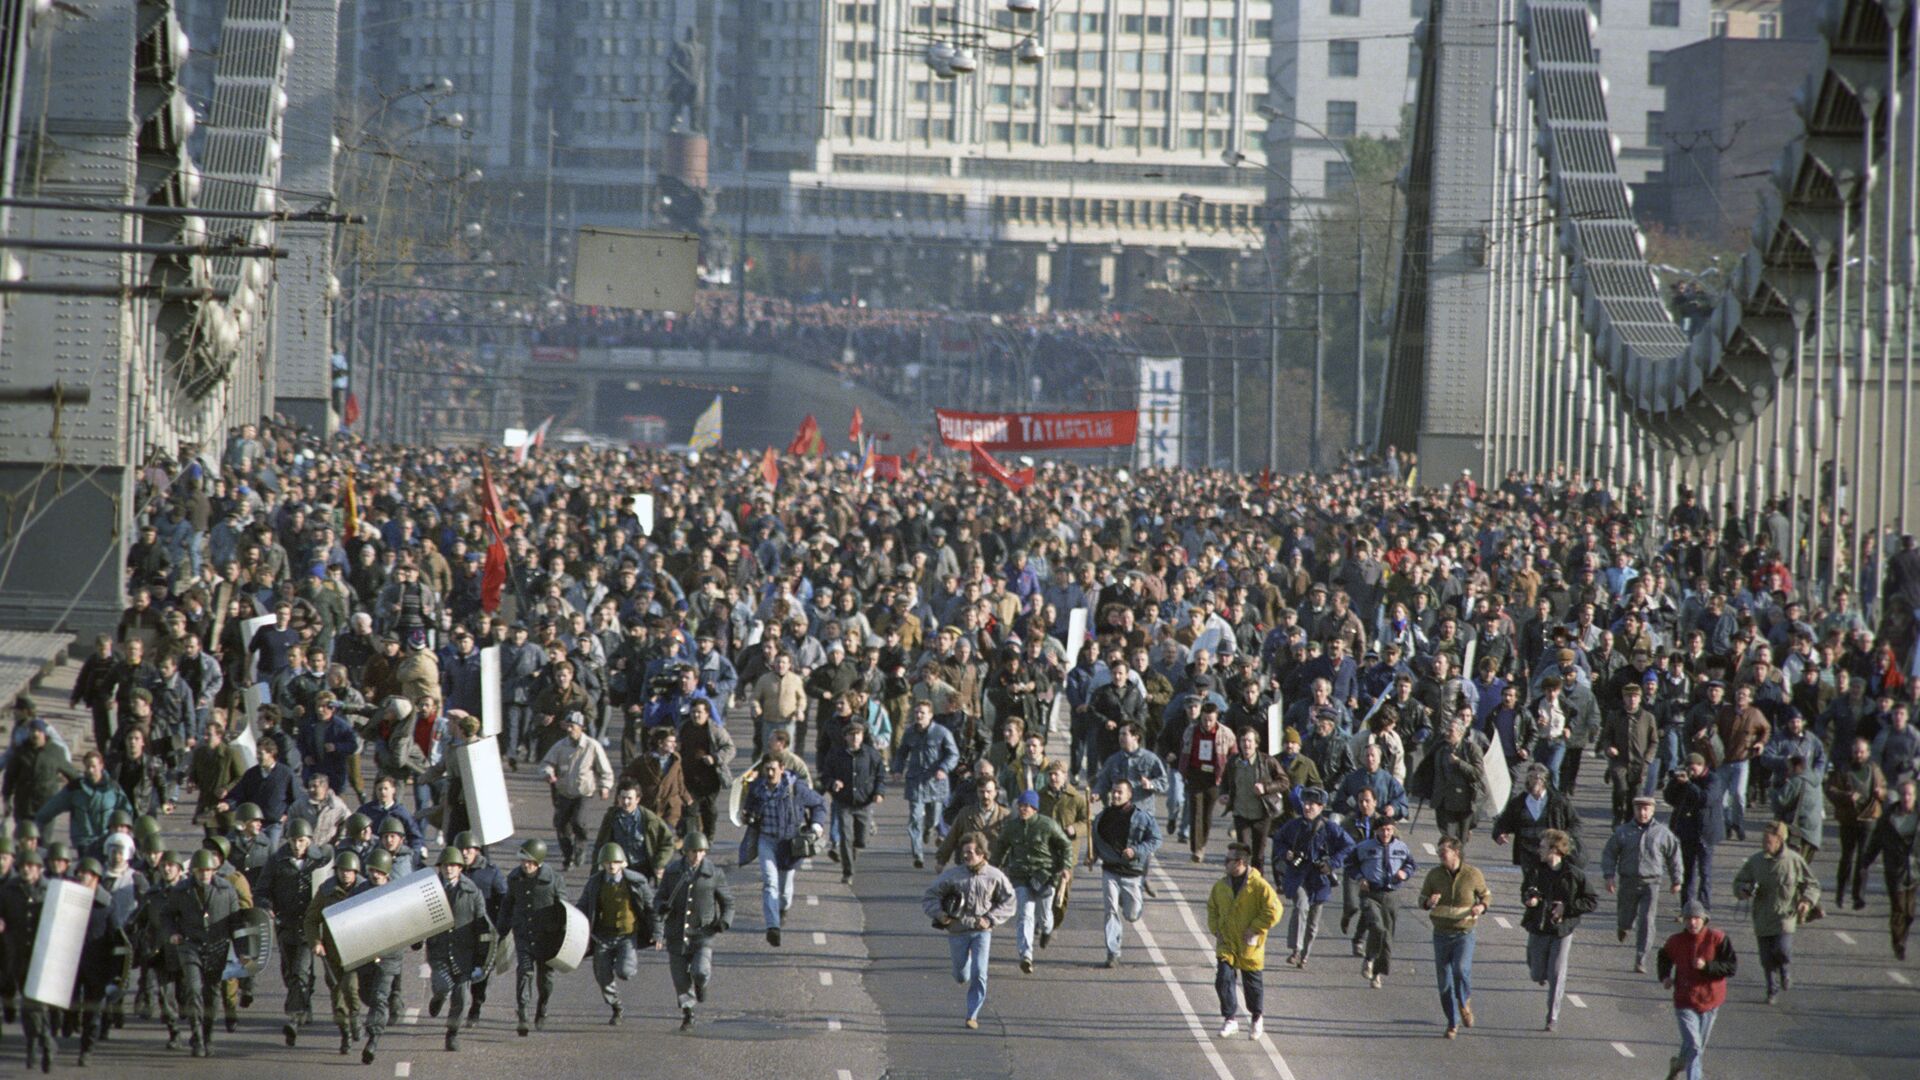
x=1029 y=798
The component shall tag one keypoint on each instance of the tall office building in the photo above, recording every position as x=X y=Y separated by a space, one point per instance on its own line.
x=1081 y=158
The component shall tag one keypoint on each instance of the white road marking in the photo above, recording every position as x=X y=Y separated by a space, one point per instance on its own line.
x=1502 y=920
x=1194 y=1025
x=845 y=1074
x=426 y=971
x=819 y=938
x=1577 y=1003
x=1845 y=937
x=1899 y=978
x=826 y=978
x=403 y=1068
x=1623 y=1050
x=806 y=864
x=813 y=901
x=1431 y=850
x=1206 y=945
x=833 y=1025
x=413 y=1014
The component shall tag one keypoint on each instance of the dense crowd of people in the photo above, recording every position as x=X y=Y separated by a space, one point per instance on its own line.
x=1289 y=661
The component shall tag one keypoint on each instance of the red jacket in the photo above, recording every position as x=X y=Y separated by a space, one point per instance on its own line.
x=1697 y=988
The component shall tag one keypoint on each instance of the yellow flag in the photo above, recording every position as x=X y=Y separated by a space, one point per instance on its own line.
x=706 y=430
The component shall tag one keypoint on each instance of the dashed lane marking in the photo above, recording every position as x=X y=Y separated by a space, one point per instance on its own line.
x=826 y=978
x=819 y=938
x=1577 y=1003
x=845 y=1074
x=1845 y=938
x=1623 y=1050
x=1194 y=1025
x=1431 y=850
x=1899 y=978
x=426 y=971
x=403 y=1068
x=833 y=1024
x=1502 y=920
x=813 y=901
x=413 y=1014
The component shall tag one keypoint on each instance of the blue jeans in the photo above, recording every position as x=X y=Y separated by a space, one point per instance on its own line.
x=1734 y=773
x=1695 y=1027
x=920 y=814
x=1552 y=755
x=1124 y=900
x=1029 y=906
x=1453 y=968
x=1177 y=803
x=969 y=951
x=776 y=885
x=1667 y=760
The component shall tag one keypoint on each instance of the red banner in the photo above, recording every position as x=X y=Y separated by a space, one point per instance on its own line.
x=1036 y=431
x=984 y=465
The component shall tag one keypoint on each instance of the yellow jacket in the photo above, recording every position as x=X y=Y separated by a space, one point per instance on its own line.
x=1231 y=917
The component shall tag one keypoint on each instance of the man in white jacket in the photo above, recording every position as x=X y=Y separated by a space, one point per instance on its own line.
x=577 y=769
x=968 y=900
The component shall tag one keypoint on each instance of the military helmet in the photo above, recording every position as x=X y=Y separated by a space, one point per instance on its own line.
x=393 y=824
x=696 y=841
x=59 y=852
x=205 y=859
x=381 y=861
x=91 y=866
x=169 y=856
x=466 y=840
x=26 y=830
x=152 y=842
x=33 y=858
x=246 y=812
x=450 y=856
x=346 y=861
x=358 y=822
x=146 y=825
x=219 y=845
x=534 y=851
x=6 y=845
x=298 y=828
x=118 y=819
x=611 y=853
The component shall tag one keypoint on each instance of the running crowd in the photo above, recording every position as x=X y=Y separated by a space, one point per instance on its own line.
x=1299 y=662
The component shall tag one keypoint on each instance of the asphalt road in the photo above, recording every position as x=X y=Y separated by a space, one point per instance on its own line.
x=861 y=989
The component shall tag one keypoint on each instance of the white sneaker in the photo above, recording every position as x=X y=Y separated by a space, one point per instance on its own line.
x=1229 y=1029
x=1259 y=1027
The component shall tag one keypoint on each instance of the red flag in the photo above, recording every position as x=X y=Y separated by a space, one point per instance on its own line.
x=490 y=512
x=854 y=429
x=1266 y=479
x=350 y=412
x=985 y=465
x=886 y=466
x=806 y=438
x=770 y=468
x=913 y=456
x=493 y=576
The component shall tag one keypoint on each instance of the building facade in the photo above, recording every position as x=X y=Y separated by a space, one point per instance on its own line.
x=1071 y=175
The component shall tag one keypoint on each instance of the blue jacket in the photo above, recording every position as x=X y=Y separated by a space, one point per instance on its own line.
x=273 y=792
x=922 y=754
x=1379 y=863
x=779 y=813
x=1143 y=836
x=375 y=813
x=338 y=732
x=1327 y=845
x=1386 y=790
x=1698 y=814
x=460 y=683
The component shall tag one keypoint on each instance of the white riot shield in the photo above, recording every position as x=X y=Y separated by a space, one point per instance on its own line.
x=389 y=918
x=248 y=628
x=57 y=945
x=244 y=740
x=643 y=509
x=1274 y=729
x=1061 y=717
x=492 y=708
x=736 y=796
x=573 y=944
x=488 y=813
x=1496 y=781
x=1076 y=635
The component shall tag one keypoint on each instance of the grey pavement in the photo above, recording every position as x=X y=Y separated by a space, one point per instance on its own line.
x=861 y=989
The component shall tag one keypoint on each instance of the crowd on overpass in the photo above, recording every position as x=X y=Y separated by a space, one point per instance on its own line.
x=854 y=654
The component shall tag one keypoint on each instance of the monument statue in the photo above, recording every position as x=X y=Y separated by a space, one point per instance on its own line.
x=687 y=84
